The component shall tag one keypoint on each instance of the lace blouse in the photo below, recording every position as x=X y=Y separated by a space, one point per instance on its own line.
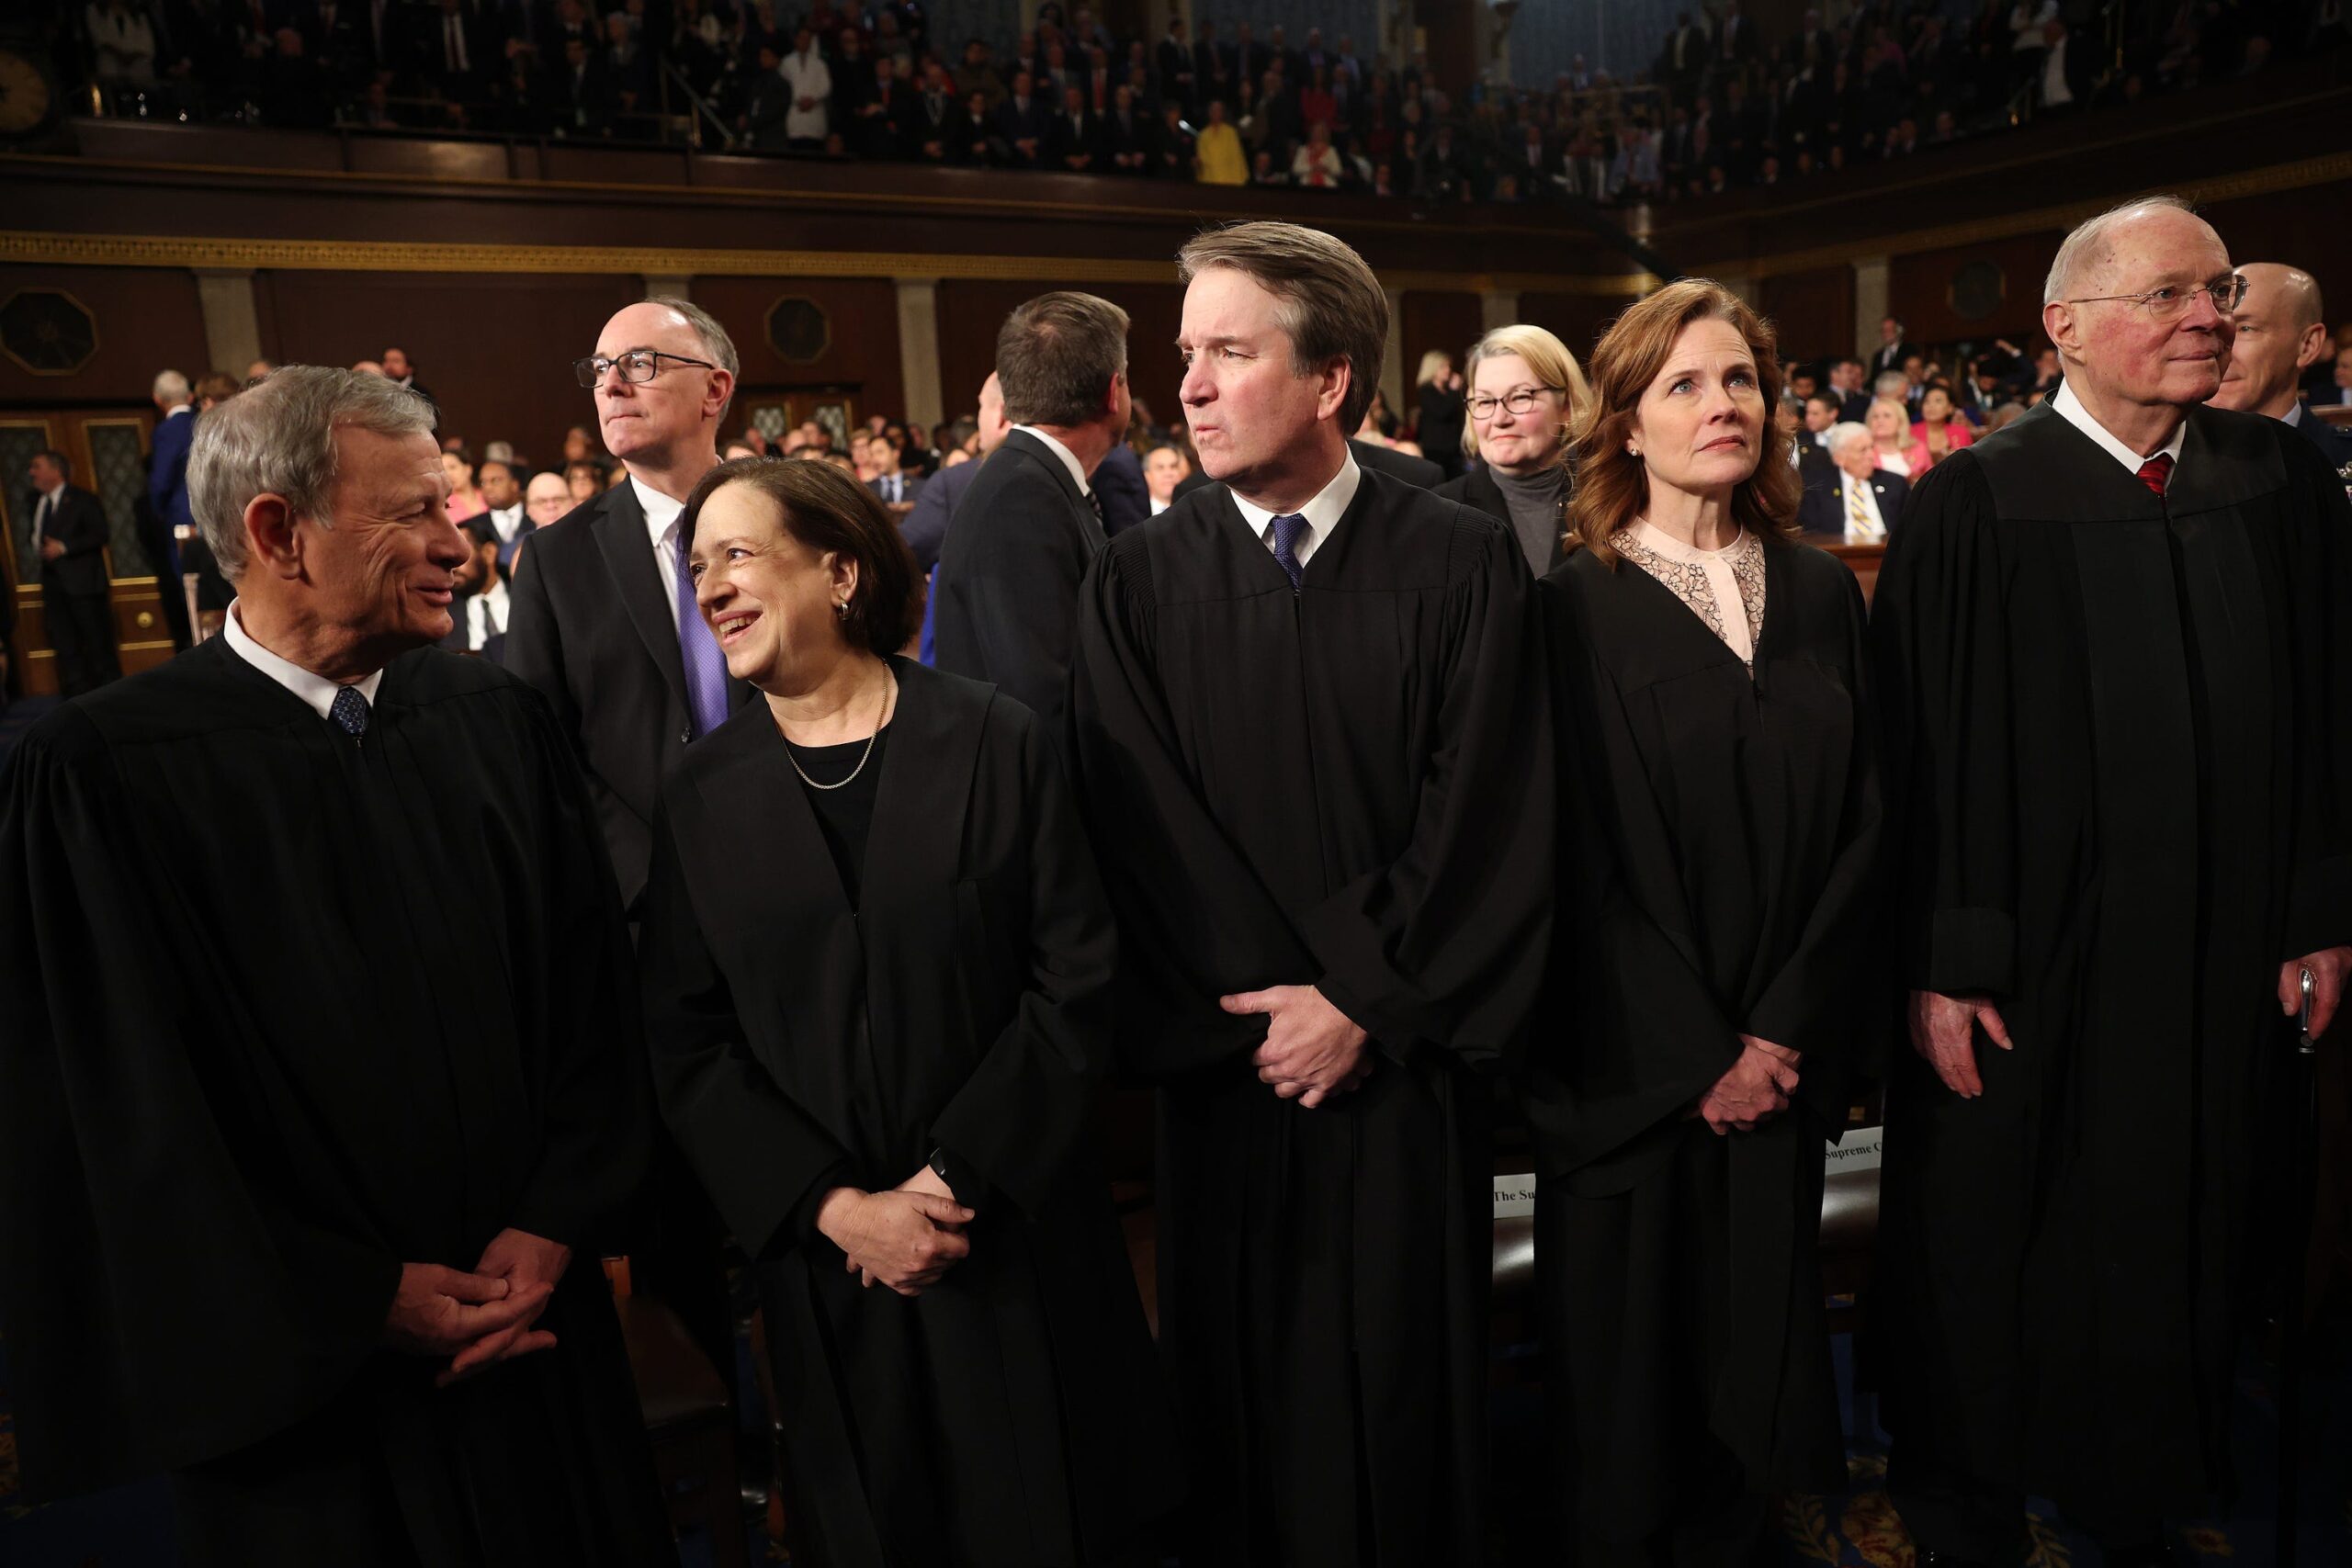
x=1706 y=580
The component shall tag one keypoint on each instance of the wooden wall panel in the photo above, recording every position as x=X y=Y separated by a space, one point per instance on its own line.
x=1812 y=312
x=1919 y=290
x=2298 y=228
x=1576 y=319
x=861 y=345
x=148 y=320
x=1451 y=320
x=970 y=312
x=494 y=350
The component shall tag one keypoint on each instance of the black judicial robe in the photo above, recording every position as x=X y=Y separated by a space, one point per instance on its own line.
x=1011 y=1415
x=1719 y=877
x=2119 y=764
x=1349 y=787
x=256 y=1060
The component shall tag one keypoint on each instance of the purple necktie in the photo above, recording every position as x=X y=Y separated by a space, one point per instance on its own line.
x=1289 y=528
x=706 y=666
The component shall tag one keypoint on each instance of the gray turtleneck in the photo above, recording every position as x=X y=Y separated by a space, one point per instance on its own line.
x=1535 y=505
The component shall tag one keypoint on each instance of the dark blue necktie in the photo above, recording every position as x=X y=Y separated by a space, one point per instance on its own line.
x=698 y=650
x=349 y=712
x=1289 y=528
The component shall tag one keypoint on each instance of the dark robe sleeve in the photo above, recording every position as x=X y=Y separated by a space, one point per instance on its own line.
x=764 y=1160
x=2319 y=561
x=1017 y=1119
x=1631 y=1036
x=165 y=1300
x=1191 y=912
x=1444 y=946
x=596 y=1122
x=1825 y=998
x=1939 y=637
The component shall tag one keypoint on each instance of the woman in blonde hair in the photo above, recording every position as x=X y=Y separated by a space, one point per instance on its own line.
x=1525 y=388
x=1718 y=964
x=1439 y=431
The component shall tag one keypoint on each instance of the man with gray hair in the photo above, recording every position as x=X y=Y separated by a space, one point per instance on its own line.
x=1858 y=502
x=308 y=1169
x=2112 y=653
x=1032 y=522
x=1313 y=745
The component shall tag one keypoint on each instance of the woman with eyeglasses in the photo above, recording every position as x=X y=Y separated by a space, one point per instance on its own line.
x=1525 y=389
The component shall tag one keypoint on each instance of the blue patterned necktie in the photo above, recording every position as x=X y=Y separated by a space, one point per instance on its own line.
x=705 y=666
x=1289 y=528
x=349 y=712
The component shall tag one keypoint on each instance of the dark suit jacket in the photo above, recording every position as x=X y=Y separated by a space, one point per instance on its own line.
x=1127 y=500
x=1823 y=510
x=2333 y=441
x=1007 y=588
x=925 y=528
x=79 y=523
x=591 y=628
x=1477 y=488
x=910 y=487
x=1889 y=356
x=167 y=465
x=1398 y=465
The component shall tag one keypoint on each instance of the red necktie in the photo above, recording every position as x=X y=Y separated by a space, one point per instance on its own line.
x=2156 y=471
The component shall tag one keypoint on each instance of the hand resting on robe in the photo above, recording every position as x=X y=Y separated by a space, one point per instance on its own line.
x=907 y=1238
x=438 y=1311
x=1943 y=1030
x=2328 y=968
x=1756 y=1089
x=1313 y=1051
x=528 y=1264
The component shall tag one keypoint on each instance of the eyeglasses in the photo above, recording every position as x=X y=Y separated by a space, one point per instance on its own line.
x=2172 y=301
x=637 y=366
x=1521 y=401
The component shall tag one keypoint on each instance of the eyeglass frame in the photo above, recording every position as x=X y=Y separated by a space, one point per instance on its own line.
x=2206 y=288
x=594 y=374
x=1503 y=402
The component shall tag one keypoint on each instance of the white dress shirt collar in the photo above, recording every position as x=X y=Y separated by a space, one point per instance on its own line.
x=1322 y=514
x=176 y=410
x=2294 y=415
x=494 y=598
x=507 y=521
x=662 y=514
x=2070 y=409
x=313 y=689
x=1068 y=458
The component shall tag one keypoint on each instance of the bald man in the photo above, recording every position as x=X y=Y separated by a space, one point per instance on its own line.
x=2107 y=636
x=2281 y=334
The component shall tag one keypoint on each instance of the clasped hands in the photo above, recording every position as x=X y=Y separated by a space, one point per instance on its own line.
x=1312 y=1052
x=1756 y=1089
x=906 y=1239
x=480 y=1317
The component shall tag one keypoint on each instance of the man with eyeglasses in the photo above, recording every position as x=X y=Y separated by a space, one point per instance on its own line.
x=2112 y=655
x=603 y=624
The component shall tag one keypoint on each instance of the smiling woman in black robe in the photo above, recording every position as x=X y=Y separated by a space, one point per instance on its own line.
x=1718 y=893
x=875 y=957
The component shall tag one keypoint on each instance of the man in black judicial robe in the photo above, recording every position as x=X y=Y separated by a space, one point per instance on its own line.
x=308 y=1167
x=1313 y=748
x=2112 y=661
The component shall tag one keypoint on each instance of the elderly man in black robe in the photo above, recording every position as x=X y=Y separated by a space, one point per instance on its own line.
x=307 y=1160
x=2113 y=662
x=1314 y=753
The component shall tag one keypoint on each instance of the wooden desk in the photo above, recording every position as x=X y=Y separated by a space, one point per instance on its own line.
x=1862 y=560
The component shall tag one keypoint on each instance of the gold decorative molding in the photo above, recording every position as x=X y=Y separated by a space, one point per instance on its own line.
x=24 y=247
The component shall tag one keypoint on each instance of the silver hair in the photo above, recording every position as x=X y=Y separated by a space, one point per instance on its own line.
x=171 y=387
x=278 y=437
x=1845 y=433
x=1891 y=384
x=2088 y=244
x=714 y=341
